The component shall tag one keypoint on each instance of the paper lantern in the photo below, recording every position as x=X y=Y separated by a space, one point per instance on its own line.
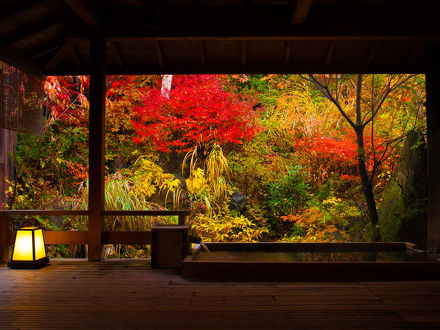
x=29 y=250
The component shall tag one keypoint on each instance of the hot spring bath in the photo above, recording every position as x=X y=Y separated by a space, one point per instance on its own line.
x=310 y=261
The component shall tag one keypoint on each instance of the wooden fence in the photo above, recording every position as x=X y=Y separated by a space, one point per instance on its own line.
x=82 y=237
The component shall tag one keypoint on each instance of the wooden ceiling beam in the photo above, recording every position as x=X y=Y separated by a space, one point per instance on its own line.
x=43 y=52
x=287 y=53
x=301 y=9
x=19 y=7
x=114 y=48
x=372 y=53
x=17 y=59
x=31 y=30
x=243 y=53
x=76 y=58
x=159 y=54
x=227 y=67
x=271 y=23
x=202 y=54
x=414 y=52
x=43 y=49
x=321 y=37
x=67 y=48
x=85 y=13
x=330 y=51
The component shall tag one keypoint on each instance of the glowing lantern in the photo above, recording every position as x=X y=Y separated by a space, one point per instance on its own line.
x=29 y=250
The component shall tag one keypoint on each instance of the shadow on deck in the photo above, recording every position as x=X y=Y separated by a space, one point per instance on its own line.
x=129 y=294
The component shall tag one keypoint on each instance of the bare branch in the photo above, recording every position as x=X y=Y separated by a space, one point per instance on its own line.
x=358 y=101
x=390 y=145
x=388 y=91
x=325 y=91
x=110 y=82
x=373 y=150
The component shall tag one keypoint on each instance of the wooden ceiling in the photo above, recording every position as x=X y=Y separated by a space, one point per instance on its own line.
x=220 y=36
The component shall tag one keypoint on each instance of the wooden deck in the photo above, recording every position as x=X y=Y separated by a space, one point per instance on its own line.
x=128 y=294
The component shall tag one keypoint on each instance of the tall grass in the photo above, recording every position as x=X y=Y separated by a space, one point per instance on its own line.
x=120 y=196
x=208 y=179
x=217 y=172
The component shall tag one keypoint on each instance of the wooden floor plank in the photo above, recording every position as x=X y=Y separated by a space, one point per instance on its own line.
x=129 y=294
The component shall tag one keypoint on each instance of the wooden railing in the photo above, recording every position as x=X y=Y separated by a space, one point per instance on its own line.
x=82 y=237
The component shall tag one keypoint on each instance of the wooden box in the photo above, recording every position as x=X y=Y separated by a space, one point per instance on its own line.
x=169 y=246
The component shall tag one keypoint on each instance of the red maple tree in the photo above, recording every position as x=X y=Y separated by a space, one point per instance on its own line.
x=198 y=109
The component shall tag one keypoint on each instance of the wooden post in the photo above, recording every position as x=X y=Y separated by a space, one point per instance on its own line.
x=182 y=219
x=4 y=238
x=96 y=146
x=8 y=143
x=433 y=139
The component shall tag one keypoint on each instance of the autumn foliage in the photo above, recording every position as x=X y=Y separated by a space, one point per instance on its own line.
x=66 y=98
x=277 y=161
x=325 y=156
x=198 y=109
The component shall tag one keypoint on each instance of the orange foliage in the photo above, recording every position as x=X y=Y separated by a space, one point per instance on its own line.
x=316 y=229
x=325 y=157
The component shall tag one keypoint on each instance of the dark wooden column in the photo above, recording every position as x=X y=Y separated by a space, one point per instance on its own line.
x=96 y=146
x=433 y=135
x=4 y=238
x=8 y=143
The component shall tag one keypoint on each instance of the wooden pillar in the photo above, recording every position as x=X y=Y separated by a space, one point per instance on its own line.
x=433 y=139
x=182 y=219
x=96 y=147
x=4 y=238
x=8 y=143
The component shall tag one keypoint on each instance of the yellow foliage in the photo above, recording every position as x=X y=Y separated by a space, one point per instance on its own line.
x=148 y=178
x=226 y=228
x=208 y=185
x=297 y=112
x=332 y=201
x=196 y=183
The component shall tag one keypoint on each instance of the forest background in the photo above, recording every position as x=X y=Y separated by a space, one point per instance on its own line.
x=255 y=157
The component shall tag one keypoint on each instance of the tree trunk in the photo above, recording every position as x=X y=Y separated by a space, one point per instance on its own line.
x=367 y=188
x=166 y=85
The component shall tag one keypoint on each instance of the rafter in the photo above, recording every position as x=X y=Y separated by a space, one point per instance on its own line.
x=116 y=53
x=76 y=58
x=243 y=53
x=301 y=9
x=266 y=22
x=31 y=30
x=19 y=7
x=414 y=52
x=16 y=58
x=43 y=49
x=202 y=54
x=287 y=53
x=330 y=51
x=84 y=12
x=372 y=53
x=61 y=54
x=236 y=67
x=159 y=54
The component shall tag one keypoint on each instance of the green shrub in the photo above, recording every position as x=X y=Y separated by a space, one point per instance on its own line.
x=288 y=194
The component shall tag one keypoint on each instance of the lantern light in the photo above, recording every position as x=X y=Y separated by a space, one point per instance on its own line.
x=29 y=250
